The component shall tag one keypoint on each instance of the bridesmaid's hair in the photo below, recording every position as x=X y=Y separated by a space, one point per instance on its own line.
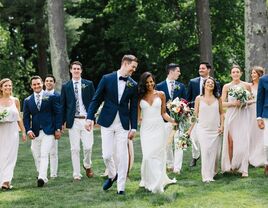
x=142 y=89
x=236 y=66
x=259 y=70
x=2 y=81
x=215 y=90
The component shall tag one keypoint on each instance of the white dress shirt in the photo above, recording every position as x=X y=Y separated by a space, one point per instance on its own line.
x=201 y=84
x=41 y=96
x=82 y=108
x=50 y=92
x=169 y=85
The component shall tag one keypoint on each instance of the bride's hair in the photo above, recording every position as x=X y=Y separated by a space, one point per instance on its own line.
x=142 y=89
x=2 y=81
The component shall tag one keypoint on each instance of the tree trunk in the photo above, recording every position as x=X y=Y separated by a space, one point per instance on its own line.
x=256 y=40
x=204 y=32
x=41 y=38
x=57 y=37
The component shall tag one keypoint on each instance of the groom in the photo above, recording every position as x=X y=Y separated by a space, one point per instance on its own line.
x=118 y=119
x=262 y=114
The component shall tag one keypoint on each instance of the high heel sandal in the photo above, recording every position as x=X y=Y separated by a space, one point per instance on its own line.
x=6 y=186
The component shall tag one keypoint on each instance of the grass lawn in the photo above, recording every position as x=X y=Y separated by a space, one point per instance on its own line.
x=226 y=191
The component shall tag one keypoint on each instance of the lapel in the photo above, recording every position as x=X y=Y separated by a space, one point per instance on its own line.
x=166 y=90
x=198 y=85
x=114 y=86
x=176 y=90
x=32 y=102
x=127 y=89
x=70 y=89
x=83 y=83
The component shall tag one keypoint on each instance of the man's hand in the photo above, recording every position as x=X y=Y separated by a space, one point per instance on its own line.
x=89 y=125
x=131 y=134
x=57 y=134
x=31 y=135
x=261 y=123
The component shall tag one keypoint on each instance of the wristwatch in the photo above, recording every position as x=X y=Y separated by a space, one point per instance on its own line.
x=58 y=130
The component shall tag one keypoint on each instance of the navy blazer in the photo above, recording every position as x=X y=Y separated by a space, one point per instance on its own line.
x=179 y=90
x=107 y=91
x=68 y=101
x=194 y=90
x=262 y=97
x=48 y=118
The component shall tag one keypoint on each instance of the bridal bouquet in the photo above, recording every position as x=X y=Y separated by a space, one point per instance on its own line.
x=3 y=115
x=182 y=141
x=180 y=112
x=239 y=93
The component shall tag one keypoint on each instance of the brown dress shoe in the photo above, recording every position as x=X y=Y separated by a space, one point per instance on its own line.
x=266 y=170
x=89 y=172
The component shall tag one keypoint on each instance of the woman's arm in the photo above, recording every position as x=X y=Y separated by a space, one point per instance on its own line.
x=163 y=108
x=221 y=128
x=196 y=112
x=20 y=123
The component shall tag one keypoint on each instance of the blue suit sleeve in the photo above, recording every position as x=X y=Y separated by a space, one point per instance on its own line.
x=189 y=92
x=57 y=112
x=260 y=98
x=26 y=116
x=134 y=109
x=63 y=104
x=183 y=92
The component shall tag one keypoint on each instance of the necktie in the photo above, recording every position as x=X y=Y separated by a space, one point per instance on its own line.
x=38 y=101
x=172 y=86
x=123 y=78
x=77 y=108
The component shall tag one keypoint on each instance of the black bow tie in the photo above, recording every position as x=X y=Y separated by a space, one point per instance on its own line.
x=123 y=78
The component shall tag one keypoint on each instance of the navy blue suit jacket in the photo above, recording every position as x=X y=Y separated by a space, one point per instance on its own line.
x=107 y=91
x=262 y=97
x=194 y=90
x=48 y=118
x=68 y=101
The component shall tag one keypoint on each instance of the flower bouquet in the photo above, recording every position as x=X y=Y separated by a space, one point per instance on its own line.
x=3 y=115
x=183 y=115
x=239 y=93
x=182 y=141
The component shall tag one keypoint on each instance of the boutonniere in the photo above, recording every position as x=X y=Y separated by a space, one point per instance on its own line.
x=45 y=97
x=129 y=84
x=176 y=87
x=84 y=86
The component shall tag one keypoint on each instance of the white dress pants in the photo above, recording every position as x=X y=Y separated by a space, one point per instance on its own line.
x=53 y=156
x=265 y=138
x=40 y=147
x=174 y=157
x=77 y=133
x=118 y=136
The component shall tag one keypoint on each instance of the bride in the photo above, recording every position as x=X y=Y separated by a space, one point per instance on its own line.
x=151 y=111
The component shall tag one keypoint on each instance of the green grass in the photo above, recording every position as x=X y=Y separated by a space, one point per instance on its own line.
x=189 y=191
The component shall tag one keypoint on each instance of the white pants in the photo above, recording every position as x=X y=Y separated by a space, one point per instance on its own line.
x=40 y=147
x=174 y=158
x=53 y=156
x=115 y=135
x=195 y=144
x=77 y=133
x=265 y=138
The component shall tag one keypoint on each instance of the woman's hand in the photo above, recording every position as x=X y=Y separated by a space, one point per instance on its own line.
x=236 y=103
x=220 y=129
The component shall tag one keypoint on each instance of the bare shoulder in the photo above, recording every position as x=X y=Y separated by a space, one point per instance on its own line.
x=246 y=85
x=160 y=93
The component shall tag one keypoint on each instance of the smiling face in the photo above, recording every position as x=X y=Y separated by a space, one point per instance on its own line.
x=49 y=83
x=203 y=70
x=129 y=67
x=37 y=85
x=254 y=75
x=150 y=84
x=236 y=74
x=174 y=74
x=6 y=88
x=76 y=71
x=209 y=84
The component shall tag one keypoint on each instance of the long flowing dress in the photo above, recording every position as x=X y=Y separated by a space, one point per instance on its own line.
x=153 y=145
x=209 y=138
x=9 y=142
x=237 y=121
x=256 y=148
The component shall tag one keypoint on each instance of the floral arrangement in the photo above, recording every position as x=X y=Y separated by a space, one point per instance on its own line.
x=83 y=86
x=182 y=141
x=239 y=93
x=3 y=115
x=177 y=87
x=129 y=84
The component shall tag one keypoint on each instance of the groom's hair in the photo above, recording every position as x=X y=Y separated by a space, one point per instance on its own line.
x=76 y=63
x=35 y=77
x=129 y=58
x=171 y=67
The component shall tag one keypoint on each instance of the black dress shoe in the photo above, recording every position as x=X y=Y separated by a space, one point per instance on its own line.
x=108 y=183
x=40 y=182
x=121 y=193
x=193 y=162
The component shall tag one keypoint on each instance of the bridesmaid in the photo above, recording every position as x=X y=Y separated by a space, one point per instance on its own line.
x=9 y=137
x=209 y=127
x=235 y=150
x=256 y=150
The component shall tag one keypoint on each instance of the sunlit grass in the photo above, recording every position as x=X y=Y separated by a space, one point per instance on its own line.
x=227 y=191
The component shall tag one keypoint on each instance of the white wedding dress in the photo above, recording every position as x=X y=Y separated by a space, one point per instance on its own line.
x=153 y=145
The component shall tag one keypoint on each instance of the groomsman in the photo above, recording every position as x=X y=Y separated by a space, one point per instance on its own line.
x=195 y=89
x=76 y=95
x=262 y=114
x=118 y=119
x=172 y=89
x=50 y=82
x=42 y=121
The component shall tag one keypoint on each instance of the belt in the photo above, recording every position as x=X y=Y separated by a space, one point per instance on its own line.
x=80 y=117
